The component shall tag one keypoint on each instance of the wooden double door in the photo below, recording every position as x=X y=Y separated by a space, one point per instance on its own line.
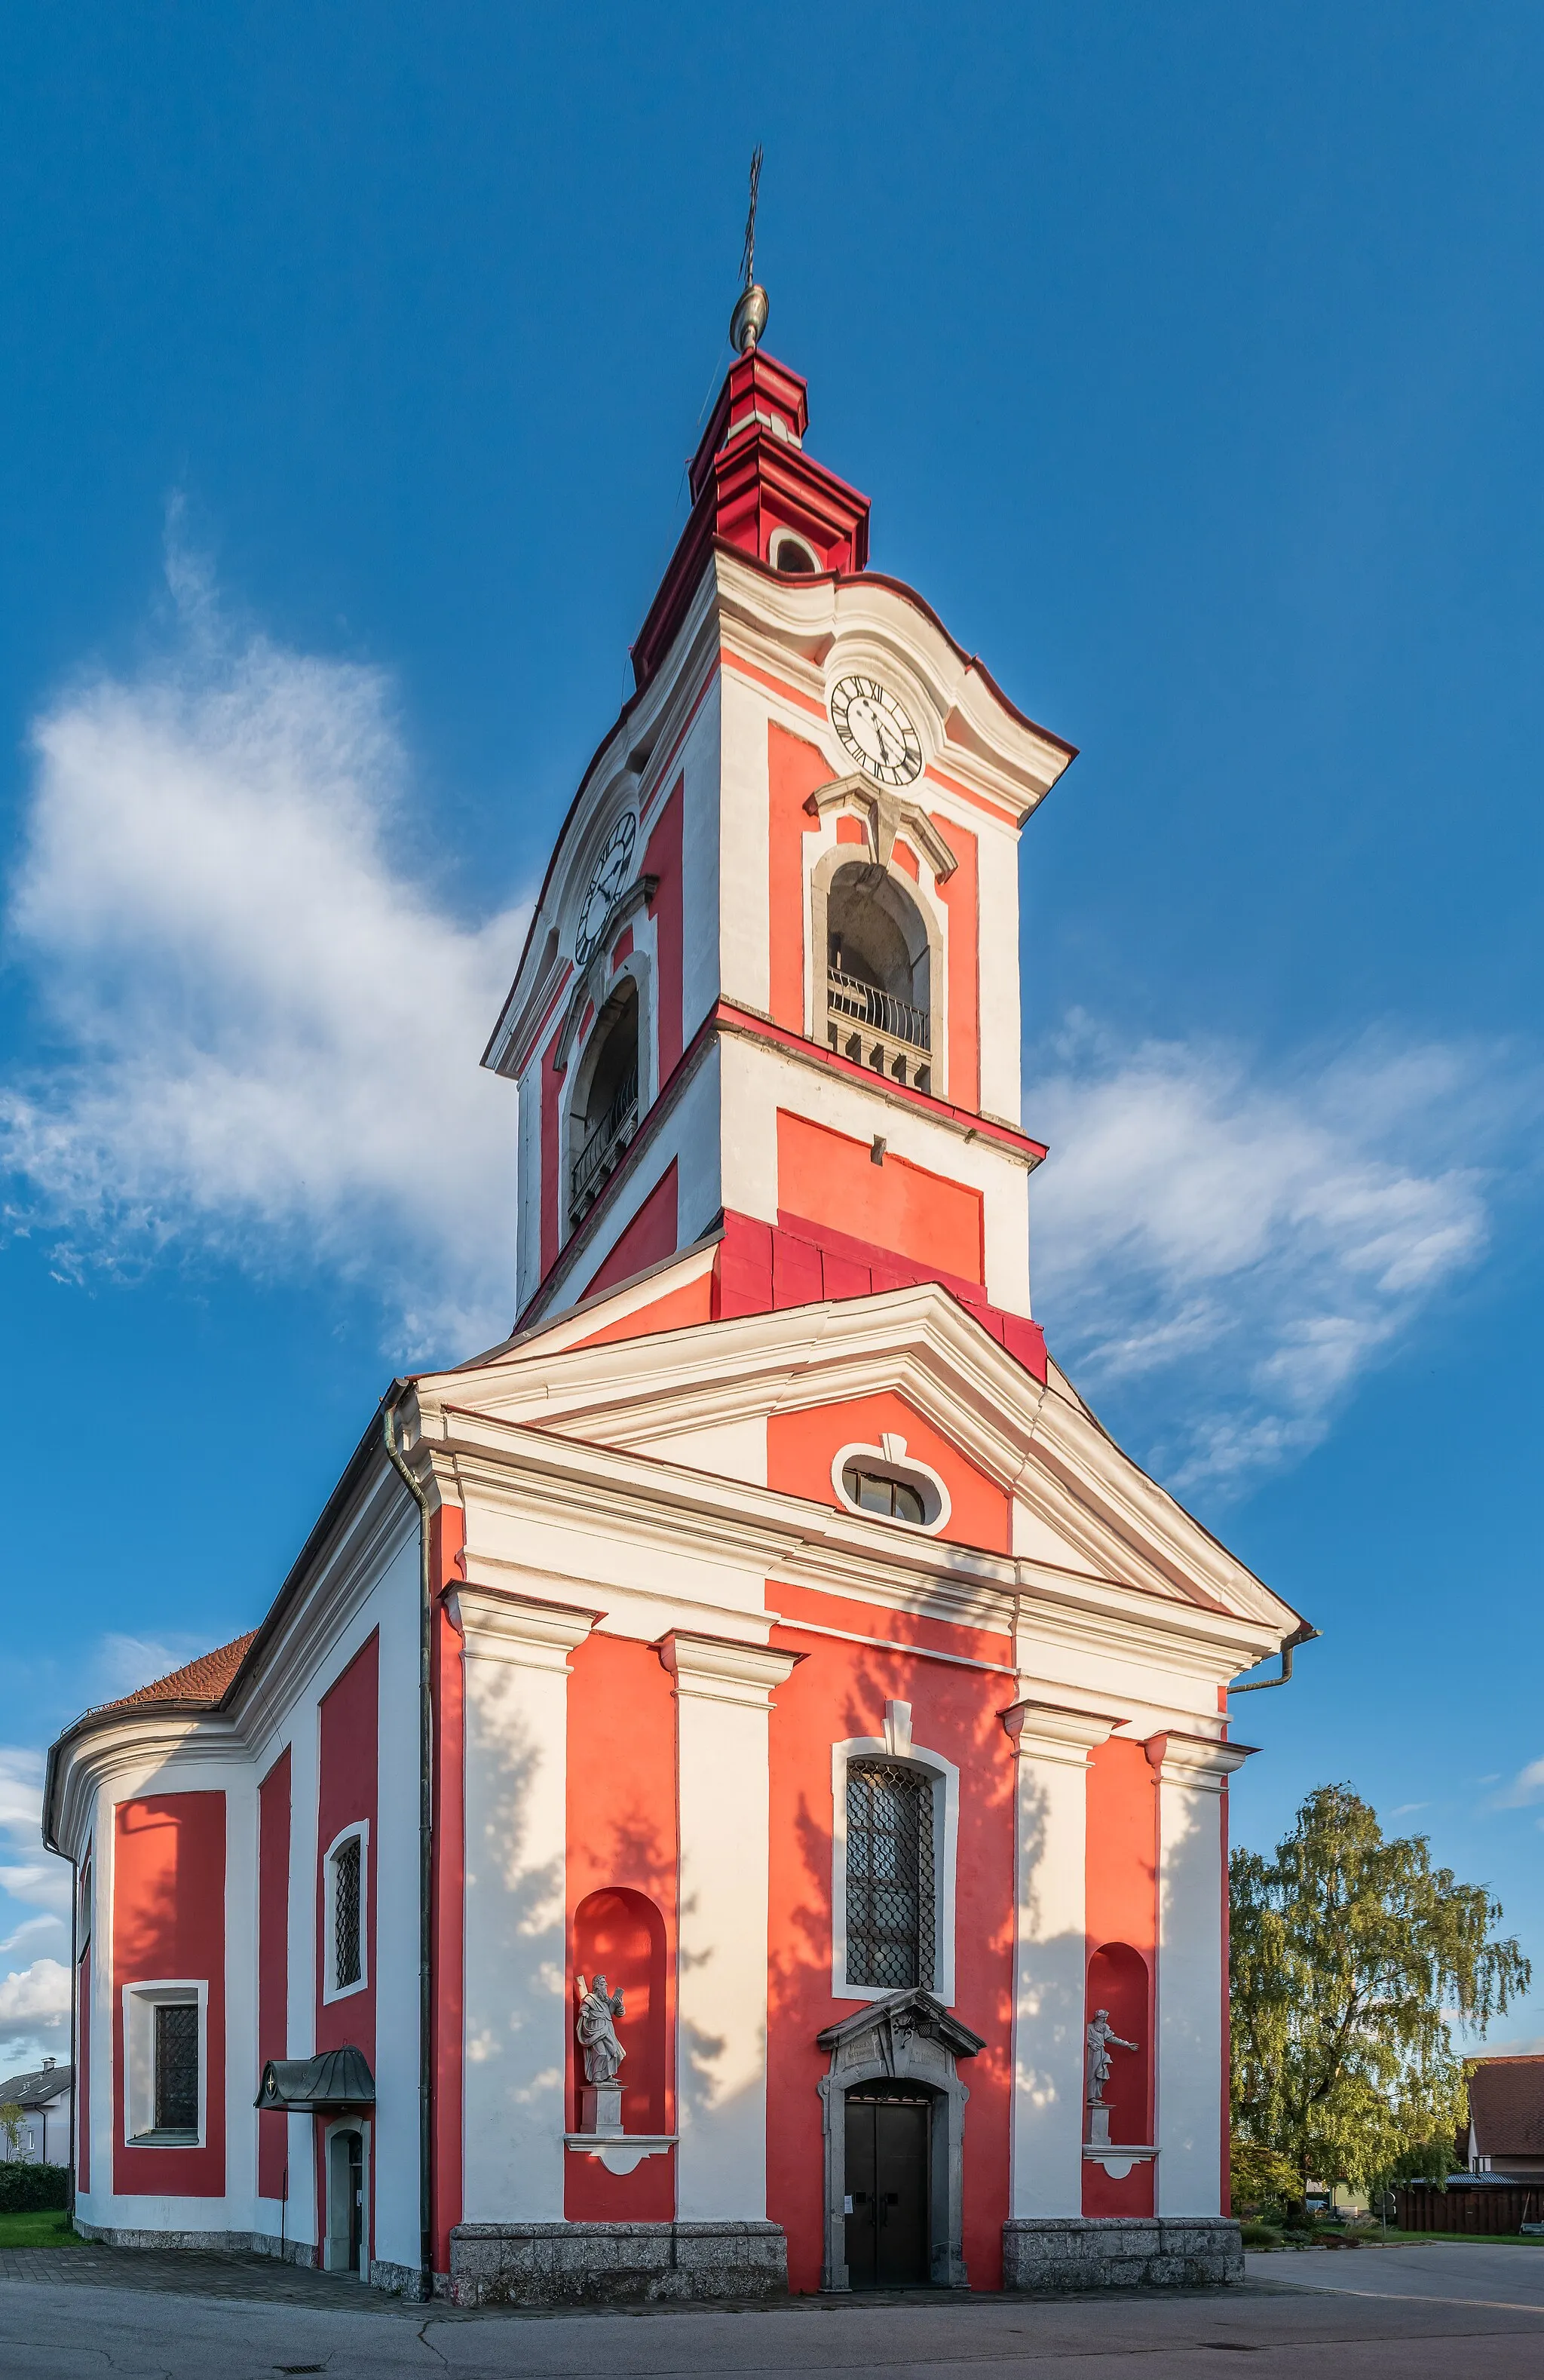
x=888 y=2163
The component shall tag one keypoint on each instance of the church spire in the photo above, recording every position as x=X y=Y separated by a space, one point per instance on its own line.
x=748 y=320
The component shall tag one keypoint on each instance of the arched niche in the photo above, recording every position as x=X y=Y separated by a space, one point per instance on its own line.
x=620 y=1934
x=1119 y=1982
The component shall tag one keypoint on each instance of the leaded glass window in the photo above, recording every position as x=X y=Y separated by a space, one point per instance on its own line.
x=889 y=1875
x=177 y=2066
x=347 y=1963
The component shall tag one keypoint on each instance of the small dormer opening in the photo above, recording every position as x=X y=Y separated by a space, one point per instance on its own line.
x=605 y=1113
x=878 y=974
x=792 y=556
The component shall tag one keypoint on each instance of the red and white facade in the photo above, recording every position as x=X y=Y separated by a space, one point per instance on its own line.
x=601 y=1633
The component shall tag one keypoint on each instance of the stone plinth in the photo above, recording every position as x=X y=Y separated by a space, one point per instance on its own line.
x=1121 y=2251
x=615 y=2264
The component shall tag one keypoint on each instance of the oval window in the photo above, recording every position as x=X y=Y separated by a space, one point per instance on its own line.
x=873 y=1492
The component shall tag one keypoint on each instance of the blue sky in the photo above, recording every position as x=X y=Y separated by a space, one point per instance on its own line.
x=1193 y=362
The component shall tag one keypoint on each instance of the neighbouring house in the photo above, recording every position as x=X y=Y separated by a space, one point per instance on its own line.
x=43 y=2096
x=1506 y=2118
x=761 y=1667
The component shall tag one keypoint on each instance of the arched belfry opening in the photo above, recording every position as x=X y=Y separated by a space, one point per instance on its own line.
x=604 y=1115
x=879 y=974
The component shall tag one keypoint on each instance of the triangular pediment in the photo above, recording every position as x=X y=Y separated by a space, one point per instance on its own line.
x=701 y=1396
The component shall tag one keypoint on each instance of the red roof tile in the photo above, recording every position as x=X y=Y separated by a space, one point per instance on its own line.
x=203 y=1681
x=1506 y=2106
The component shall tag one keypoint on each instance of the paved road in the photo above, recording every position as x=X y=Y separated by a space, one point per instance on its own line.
x=1467 y=2312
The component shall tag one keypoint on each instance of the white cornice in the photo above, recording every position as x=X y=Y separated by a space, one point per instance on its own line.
x=129 y=1745
x=607 y=1501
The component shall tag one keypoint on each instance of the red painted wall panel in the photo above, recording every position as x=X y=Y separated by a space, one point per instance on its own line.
x=273 y=1876
x=841 y=1690
x=347 y=1790
x=802 y=1446
x=169 y=1925
x=663 y=859
x=1122 y=1909
x=832 y=1178
x=649 y=1238
x=621 y=1833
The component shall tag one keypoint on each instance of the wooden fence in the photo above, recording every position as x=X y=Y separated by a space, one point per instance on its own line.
x=1485 y=2209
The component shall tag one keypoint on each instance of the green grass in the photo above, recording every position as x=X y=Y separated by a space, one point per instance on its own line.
x=52 y=2230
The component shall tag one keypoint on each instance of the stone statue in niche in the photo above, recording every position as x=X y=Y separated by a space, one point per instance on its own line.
x=597 y=2029
x=1101 y=2040
x=600 y=2100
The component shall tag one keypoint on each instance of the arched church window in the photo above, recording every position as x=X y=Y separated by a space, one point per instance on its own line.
x=878 y=985
x=605 y=1113
x=792 y=556
x=889 y=1875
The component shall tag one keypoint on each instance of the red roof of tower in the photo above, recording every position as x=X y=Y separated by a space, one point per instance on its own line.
x=750 y=477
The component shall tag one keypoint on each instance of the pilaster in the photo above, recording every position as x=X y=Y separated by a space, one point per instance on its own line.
x=515 y=1660
x=723 y=1692
x=1191 y=2084
x=1053 y=1746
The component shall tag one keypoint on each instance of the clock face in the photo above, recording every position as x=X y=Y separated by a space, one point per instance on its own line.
x=607 y=879
x=877 y=731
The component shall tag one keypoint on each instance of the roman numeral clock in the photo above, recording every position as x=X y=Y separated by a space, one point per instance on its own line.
x=877 y=731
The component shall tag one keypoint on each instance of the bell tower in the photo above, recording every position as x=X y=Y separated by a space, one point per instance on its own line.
x=769 y=1005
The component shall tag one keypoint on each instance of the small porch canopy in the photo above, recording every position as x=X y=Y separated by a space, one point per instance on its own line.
x=337 y=2078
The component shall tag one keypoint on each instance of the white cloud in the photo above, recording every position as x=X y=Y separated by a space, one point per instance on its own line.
x=270 y=1028
x=28 y=1872
x=1237 y=1246
x=38 y=1995
x=1526 y=1787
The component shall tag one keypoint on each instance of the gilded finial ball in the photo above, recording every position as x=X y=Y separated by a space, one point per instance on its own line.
x=749 y=319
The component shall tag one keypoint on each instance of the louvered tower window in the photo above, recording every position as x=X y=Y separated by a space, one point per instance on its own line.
x=889 y=1875
x=346 y=1964
x=177 y=2066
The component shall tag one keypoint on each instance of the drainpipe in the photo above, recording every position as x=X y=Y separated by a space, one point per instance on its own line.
x=1303 y=1635
x=426 y=1839
x=74 y=2026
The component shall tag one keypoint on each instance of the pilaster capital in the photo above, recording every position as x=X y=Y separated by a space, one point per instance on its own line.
x=1047 y=1732
x=1201 y=1762
x=722 y=1669
x=519 y=1629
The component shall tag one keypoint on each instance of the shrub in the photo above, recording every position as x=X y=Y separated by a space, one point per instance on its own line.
x=29 y=2189
x=1260 y=2235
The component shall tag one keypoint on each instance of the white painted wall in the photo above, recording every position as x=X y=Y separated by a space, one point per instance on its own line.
x=723 y=1697
x=516 y=2013
x=1050 y=1956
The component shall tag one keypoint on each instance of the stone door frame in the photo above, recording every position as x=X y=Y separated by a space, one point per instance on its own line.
x=910 y=2038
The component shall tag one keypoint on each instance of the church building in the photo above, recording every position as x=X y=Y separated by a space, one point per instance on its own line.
x=732 y=1794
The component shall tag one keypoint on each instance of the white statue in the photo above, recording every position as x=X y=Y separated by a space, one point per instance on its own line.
x=597 y=2031
x=1101 y=2040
